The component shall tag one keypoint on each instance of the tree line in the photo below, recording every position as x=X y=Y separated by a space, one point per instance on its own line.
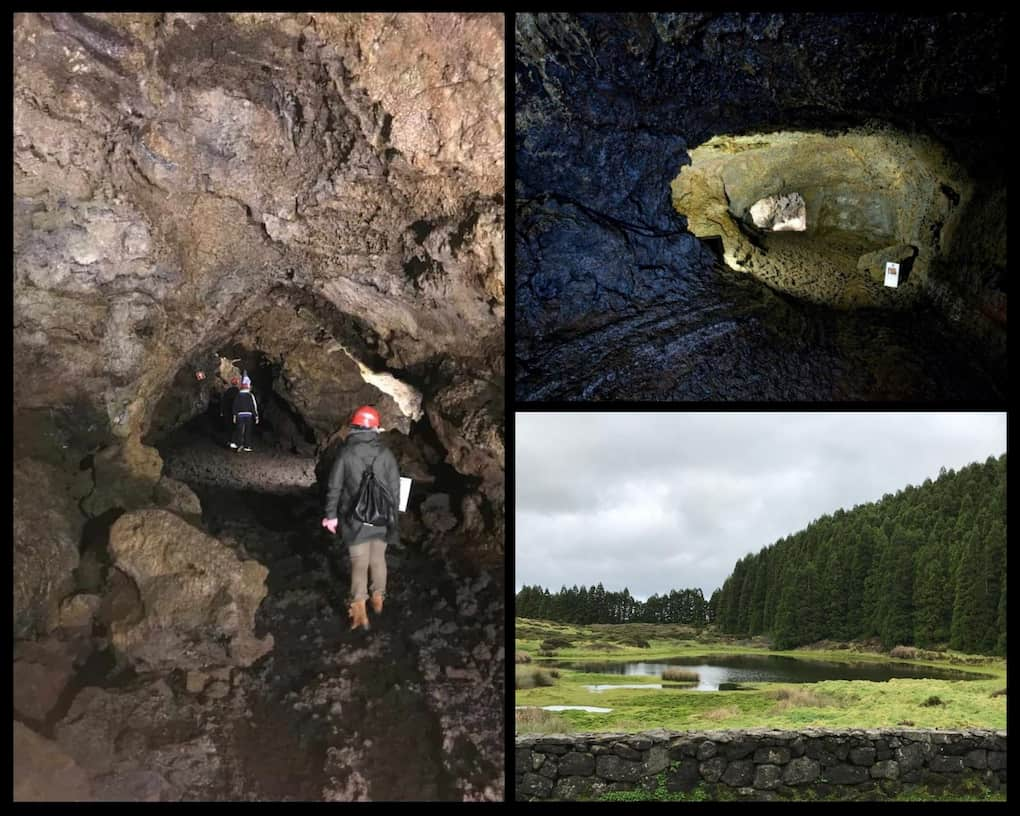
x=925 y=566
x=596 y=605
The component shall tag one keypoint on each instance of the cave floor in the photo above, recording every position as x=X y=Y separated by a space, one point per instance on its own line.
x=402 y=712
x=821 y=269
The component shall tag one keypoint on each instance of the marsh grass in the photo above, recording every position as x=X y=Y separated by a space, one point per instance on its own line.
x=723 y=713
x=530 y=720
x=794 y=697
x=678 y=675
x=854 y=704
x=554 y=643
x=522 y=657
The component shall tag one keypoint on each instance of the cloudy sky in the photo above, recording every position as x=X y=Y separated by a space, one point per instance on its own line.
x=657 y=501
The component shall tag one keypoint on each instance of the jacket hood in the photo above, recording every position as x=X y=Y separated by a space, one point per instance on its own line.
x=363 y=437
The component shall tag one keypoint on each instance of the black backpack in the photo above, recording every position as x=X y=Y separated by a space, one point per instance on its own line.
x=373 y=504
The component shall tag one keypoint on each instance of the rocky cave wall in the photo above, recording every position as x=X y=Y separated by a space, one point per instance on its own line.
x=758 y=764
x=326 y=189
x=608 y=107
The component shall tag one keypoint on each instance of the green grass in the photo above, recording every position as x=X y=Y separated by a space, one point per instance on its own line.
x=833 y=703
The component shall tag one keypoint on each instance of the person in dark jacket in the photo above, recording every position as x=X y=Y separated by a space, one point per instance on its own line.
x=366 y=543
x=245 y=411
x=227 y=402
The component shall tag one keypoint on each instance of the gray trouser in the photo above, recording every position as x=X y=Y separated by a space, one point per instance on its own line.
x=368 y=556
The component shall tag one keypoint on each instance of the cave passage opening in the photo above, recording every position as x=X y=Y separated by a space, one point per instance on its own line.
x=818 y=216
x=308 y=377
x=780 y=212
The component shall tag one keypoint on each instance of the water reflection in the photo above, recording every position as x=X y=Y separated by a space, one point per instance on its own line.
x=717 y=672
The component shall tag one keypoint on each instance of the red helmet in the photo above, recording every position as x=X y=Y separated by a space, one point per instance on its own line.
x=366 y=416
x=234 y=381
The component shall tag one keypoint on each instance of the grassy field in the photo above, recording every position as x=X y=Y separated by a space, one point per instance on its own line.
x=832 y=703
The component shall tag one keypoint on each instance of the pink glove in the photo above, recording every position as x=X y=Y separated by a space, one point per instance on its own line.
x=330 y=524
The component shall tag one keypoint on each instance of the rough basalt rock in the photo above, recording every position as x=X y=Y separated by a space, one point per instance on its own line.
x=47 y=526
x=42 y=671
x=176 y=175
x=199 y=599
x=43 y=772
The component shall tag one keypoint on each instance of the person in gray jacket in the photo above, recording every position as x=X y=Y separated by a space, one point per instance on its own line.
x=365 y=542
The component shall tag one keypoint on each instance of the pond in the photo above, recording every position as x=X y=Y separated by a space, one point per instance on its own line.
x=720 y=672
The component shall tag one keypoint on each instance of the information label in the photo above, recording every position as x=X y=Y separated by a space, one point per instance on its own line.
x=405 y=492
x=892 y=274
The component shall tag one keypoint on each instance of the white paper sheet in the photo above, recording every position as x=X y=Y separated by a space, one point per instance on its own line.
x=405 y=492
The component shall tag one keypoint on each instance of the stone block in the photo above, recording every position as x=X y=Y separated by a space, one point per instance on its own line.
x=911 y=756
x=706 y=750
x=617 y=769
x=712 y=769
x=977 y=758
x=862 y=756
x=885 y=769
x=577 y=764
x=739 y=773
x=683 y=777
x=656 y=760
x=801 y=771
x=739 y=749
x=534 y=786
x=623 y=750
x=772 y=756
x=946 y=764
x=846 y=774
x=768 y=777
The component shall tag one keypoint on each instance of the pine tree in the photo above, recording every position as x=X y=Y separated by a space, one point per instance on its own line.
x=968 y=612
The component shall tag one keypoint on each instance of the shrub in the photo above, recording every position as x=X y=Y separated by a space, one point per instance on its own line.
x=553 y=643
x=680 y=675
x=800 y=698
x=934 y=700
x=999 y=693
x=522 y=657
x=554 y=673
x=525 y=678
x=633 y=640
x=546 y=653
x=904 y=653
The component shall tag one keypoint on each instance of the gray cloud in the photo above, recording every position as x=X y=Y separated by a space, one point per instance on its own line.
x=656 y=501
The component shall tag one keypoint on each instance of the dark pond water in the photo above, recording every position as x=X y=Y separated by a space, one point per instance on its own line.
x=720 y=670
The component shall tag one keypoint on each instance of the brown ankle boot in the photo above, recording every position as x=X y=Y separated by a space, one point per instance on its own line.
x=359 y=617
x=377 y=599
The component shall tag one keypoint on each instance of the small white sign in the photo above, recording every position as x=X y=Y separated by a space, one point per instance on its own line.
x=892 y=274
x=405 y=492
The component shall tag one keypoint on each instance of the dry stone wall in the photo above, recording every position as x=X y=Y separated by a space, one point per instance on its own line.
x=757 y=764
